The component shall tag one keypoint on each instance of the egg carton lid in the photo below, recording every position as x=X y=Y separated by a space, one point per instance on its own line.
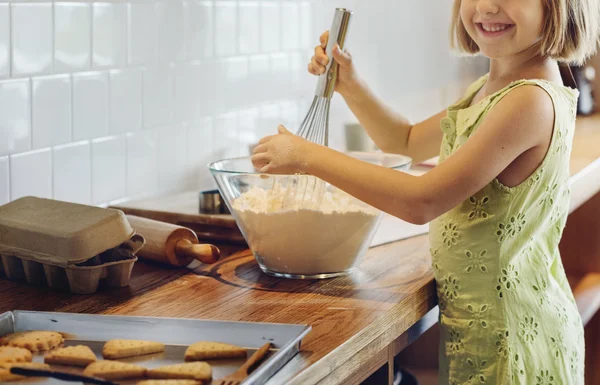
x=60 y=233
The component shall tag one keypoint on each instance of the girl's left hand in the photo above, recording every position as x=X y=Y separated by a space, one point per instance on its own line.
x=284 y=153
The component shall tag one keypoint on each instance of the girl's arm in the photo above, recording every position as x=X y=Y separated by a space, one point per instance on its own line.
x=390 y=131
x=521 y=121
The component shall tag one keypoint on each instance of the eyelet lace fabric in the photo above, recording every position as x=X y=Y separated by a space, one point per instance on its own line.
x=507 y=313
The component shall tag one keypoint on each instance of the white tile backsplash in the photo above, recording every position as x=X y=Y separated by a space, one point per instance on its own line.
x=51 y=110
x=15 y=116
x=270 y=26
x=142 y=33
x=142 y=162
x=125 y=98
x=171 y=31
x=4 y=180
x=4 y=40
x=226 y=28
x=72 y=36
x=90 y=105
x=249 y=13
x=73 y=172
x=290 y=25
x=109 y=34
x=31 y=174
x=199 y=148
x=306 y=32
x=157 y=95
x=109 y=170
x=199 y=29
x=226 y=138
x=187 y=87
x=172 y=158
x=31 y=33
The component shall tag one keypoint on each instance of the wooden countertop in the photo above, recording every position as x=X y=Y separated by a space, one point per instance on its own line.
x=392 y=290
x=585 y=160
x=354 y=318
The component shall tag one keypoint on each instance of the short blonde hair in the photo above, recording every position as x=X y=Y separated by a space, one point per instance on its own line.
x=571 y=31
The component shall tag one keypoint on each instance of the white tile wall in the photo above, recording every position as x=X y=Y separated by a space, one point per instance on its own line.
x=109 y=174
x=199 y=28
x=270 y=26
x=170 y=30
x=103 y=100
x=4 y=40
x=142 y=162
x=31 y=34
x=199 y=150
x=226 y=28
x=90 y=105
x=141 y=33
x=125 y=100
x=51 y=110
x=72 y=42
x=109 y=34
x=249 y=12
x=15 y=116
x=158 y=95
x=31 y=174
x=72 y=172
x=172 y=157
x=4 y=180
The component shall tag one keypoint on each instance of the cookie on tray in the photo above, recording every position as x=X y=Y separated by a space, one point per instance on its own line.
x=34 y=341
x=190 y=370
x=11 y=354
x=115 y=349
x=205 y=350
x=79 y=355
x=114 y=370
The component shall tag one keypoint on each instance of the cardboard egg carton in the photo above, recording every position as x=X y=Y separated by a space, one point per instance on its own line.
x=66 y=245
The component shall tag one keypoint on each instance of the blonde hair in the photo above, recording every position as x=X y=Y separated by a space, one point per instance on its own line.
x=571 y=31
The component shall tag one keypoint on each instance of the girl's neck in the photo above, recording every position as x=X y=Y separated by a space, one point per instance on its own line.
x=524 y=65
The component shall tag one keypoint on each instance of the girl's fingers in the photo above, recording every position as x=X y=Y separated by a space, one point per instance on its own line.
x=259 y=160
x=265 y=139
x=320 y=56
x=318 y=68
x=324 y=38
x=343 y=58
x=261 y=148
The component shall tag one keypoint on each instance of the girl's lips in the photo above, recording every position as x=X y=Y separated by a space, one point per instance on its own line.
x=492 y=34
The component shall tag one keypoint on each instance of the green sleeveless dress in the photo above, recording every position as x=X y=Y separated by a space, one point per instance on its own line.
x=507 y=313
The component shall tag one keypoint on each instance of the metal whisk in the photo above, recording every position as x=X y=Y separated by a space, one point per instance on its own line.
x=315 y=126
x=306 y=191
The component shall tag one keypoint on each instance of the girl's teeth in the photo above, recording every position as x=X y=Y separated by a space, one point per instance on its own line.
x=494 y=28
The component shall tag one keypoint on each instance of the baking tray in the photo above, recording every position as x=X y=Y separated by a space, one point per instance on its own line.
x=176 y=333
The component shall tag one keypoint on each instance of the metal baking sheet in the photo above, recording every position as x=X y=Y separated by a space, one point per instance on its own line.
x=177 y=334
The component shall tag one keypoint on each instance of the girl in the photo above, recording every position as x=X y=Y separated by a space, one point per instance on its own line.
x=498 y=200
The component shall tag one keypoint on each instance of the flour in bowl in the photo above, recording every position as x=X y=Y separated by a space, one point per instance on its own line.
x=305 y=241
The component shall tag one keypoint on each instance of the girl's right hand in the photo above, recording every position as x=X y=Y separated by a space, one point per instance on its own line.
x=346 y=72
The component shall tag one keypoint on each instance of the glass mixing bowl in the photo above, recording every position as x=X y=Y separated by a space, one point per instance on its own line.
x=299 y=226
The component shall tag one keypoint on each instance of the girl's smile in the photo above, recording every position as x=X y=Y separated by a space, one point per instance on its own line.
x=489 y=30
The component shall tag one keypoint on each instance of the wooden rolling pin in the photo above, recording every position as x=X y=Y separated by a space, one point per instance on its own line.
x=167 y=243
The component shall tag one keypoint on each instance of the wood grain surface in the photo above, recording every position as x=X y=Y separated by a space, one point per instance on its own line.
x=354 y=316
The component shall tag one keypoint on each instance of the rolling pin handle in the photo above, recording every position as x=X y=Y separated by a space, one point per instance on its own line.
x=202 y=252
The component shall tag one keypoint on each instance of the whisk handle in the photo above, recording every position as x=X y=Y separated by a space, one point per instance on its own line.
x=337 y=34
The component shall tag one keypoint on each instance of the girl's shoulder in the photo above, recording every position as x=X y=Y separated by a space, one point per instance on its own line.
x=561 y=95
